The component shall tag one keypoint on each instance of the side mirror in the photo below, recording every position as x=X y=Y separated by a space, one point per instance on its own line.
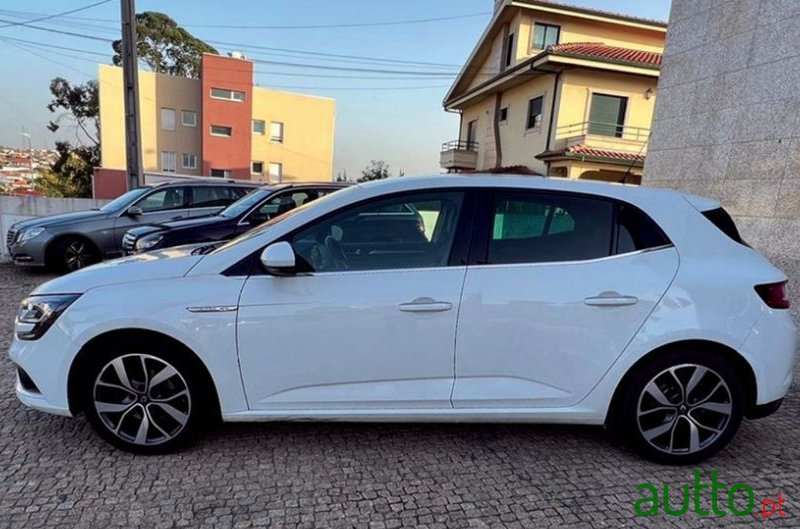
x=134 y=211
x=278 y=259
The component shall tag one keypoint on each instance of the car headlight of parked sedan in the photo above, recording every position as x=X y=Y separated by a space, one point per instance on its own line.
x=149 y=242
x=29 y=234
x=38 y=313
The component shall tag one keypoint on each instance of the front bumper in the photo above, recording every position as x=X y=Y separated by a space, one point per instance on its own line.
x=29 y=253
x=47 y=367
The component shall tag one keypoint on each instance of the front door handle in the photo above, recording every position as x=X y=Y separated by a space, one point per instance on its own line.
x=611 y=299
x=425 y=305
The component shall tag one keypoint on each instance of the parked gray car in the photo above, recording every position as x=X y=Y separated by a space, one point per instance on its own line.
x=73 y=240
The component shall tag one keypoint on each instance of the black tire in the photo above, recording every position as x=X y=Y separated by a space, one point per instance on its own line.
x=198 y=405
x=72 y=253
x=696 y=432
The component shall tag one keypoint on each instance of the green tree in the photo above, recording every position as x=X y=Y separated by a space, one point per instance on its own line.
x=71 y=174
x=376 y=170
x=165 y=46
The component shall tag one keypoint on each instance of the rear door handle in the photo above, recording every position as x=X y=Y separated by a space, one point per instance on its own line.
x=611 y=299
x=425 y=305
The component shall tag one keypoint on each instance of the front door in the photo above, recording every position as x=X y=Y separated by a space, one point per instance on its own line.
x=160 y=205
x=564 y=284
x=369 y=320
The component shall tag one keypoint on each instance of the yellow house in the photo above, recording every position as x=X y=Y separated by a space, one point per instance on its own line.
x=220 y=125
x=559 y=90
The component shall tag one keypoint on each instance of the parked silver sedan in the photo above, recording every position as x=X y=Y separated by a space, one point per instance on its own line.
x=73 y=240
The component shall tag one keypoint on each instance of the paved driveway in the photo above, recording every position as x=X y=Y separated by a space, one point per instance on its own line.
x=56 y=472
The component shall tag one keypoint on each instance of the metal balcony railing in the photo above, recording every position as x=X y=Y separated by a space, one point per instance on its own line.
x=611 y=130
x=460 y=145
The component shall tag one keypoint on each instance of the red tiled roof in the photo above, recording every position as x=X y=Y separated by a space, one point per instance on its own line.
x=598 y=50
x=581 y=150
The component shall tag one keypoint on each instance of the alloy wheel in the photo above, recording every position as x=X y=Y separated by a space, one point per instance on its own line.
x=142 y=399
x=684 y=409
x=77 y=255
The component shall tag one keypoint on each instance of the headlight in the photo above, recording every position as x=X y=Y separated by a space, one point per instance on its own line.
x=37 y=313
x=148 y=242
x=29 y=234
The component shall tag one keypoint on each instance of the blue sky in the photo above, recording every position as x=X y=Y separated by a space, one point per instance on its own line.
x=399 y=121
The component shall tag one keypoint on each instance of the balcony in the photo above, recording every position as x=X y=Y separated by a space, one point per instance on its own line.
x=603 y=136
x=458 y=155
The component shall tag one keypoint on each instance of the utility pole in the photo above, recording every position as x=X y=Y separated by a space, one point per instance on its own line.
x=130 y=73
x=30 y=150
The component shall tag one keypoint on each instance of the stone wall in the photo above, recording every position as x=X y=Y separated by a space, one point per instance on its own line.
x=727 y=119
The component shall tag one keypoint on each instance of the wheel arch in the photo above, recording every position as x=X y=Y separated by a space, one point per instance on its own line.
x=740 y=363
x=84 y=358
x=51 y=245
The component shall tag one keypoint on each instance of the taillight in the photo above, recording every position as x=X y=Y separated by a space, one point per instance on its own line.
x=774 y=295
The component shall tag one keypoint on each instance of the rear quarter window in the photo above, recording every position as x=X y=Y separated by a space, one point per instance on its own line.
x=724 y=223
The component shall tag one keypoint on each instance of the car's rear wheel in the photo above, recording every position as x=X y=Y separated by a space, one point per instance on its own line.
x=73 y=253
x=683 y=407
x=144 y=399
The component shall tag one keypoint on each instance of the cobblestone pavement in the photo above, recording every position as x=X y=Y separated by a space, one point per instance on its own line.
x=57 y=472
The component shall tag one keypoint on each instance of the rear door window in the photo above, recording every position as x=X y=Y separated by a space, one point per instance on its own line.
x=212 y=196
x=163 y=200
x=637 y=231
x=540 y=228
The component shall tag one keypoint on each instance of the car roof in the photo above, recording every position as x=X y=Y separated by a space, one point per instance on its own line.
x=621 y=191
x=194 y=183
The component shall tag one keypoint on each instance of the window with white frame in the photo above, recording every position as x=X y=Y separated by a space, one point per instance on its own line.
x=221 y=130
x=259 y=127
x=189 y=160
x=276 y=132
x=229 y=95
x=168 y=118
x=275 y=172
x=188 y=118
x=168 y=162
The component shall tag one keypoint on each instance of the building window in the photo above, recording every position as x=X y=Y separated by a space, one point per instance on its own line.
x=259 y=127
x=220 y=173
x=535 y=106
x=168 y=162
x=188 y=118
x=503 y=114
x=607 y=115
x=168 y=118
x=189 y=160
x=276 y=132
x=545 y=35
x=509 y=56
x=228 y=95
x=275 y=172
x=221 y=130
x=257 y=168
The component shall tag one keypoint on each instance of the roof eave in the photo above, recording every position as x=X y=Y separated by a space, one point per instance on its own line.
x=591 y=14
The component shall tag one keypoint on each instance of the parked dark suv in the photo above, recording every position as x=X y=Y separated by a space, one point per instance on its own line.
x=255 y=208
x=73 y=240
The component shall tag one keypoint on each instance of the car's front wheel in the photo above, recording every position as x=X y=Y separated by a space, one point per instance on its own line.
x=73 y=253
x=144 y=399
x=683 y=407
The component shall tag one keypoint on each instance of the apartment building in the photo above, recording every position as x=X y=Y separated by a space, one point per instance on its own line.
x=559 y=90
x=220 y=125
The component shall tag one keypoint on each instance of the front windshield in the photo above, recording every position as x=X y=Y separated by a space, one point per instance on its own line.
x=263 y=227
x=245 y=203
x=124 y=200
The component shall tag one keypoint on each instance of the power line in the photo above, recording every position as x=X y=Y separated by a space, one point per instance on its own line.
x=336 y=26
x=51 y=30
x=42 y=45
x=56 y=15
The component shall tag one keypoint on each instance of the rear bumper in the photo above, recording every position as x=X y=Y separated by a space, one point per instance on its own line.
x=764 y=410
x=771 y=349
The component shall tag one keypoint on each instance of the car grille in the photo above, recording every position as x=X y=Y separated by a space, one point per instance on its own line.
x=129 y=243
x=11 y=236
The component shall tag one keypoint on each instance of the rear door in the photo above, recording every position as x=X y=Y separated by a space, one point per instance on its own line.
x=558 y=284
x=211 y=199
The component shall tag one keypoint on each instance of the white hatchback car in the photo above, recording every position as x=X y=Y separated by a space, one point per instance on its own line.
x=446 y=298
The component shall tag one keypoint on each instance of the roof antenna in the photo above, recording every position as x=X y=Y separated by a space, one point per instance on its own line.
x=628 y=172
